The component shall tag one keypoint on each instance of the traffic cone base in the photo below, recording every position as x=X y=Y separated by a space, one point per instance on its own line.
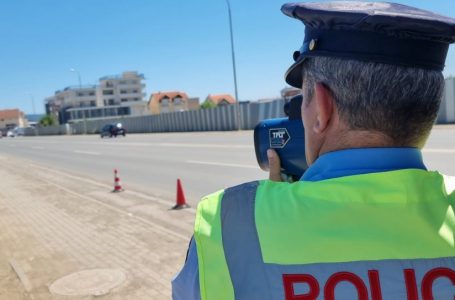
x=180 y=206
x=180 y=199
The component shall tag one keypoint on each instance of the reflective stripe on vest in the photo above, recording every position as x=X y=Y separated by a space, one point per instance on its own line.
x=331 y=239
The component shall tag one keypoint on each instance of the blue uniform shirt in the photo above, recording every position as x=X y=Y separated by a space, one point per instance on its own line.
x=330 y=165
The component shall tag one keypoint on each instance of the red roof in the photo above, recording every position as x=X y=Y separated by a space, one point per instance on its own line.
x=221 y=97
x=11 y=114
x=158 y=97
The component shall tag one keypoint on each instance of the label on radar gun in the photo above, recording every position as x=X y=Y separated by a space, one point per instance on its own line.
x=279 y=137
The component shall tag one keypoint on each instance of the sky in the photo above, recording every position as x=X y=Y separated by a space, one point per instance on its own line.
x=178 y=45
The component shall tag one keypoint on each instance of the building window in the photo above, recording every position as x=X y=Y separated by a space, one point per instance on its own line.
x=96 y=113
x=108 y=92
x=111 y=102
x=111 y=112
x=109 y=84
x=123 y=92
x=124 y=100
x=165 y=101
x=93 y=103
x=80 y=94
x=177 y=101
x=124 y=111
x=92 y=93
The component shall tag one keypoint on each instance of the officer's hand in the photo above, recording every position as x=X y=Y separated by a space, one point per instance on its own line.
x=274 y=165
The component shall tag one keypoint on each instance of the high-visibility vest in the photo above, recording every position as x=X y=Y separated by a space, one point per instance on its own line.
x=375 y=236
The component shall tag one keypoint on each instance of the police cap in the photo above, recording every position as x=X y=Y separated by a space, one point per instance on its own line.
x=371 y=31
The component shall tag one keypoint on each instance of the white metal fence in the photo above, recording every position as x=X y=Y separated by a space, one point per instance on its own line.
x=216 y=119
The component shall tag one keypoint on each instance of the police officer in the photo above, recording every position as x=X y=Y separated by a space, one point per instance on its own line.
x=367 y=220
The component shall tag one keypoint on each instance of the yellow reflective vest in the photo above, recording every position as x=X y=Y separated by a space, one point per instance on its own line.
x=376 y=236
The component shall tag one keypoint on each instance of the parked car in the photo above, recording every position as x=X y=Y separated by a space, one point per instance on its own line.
x=19 y=131
x=112 y=130
x=10 y=133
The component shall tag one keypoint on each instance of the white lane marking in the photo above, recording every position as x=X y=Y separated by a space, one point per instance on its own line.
x=203 y=145
x=136 y=144
x=435 y=150
x=160 y=229
x=38 y=147
x=40 y=141
x=86 y=152
x=176 y=145
x=221 y=164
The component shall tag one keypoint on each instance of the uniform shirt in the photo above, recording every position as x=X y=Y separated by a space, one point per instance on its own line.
x=330 y=165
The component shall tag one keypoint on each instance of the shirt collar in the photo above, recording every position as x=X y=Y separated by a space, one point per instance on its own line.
x=362 y=161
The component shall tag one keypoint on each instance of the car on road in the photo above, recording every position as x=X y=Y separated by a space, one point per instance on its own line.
x=112 y=130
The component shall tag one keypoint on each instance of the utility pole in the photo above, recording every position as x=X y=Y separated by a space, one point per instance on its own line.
x=237 y=104
x=78 y=76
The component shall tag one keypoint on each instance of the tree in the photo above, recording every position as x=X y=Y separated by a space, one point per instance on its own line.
x=47 y=120
x=208 y=104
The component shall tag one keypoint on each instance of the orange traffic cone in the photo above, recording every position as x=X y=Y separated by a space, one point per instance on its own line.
x=180 y=201
x=117 y=186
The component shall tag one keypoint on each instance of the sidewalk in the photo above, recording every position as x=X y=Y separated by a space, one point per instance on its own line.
x=54 y=224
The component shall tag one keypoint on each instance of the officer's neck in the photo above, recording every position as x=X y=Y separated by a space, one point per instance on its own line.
x=348 y=139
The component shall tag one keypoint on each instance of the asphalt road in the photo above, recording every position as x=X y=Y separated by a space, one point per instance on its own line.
x=151 y=163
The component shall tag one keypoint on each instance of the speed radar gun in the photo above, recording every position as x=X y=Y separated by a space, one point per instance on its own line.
x=286 y=137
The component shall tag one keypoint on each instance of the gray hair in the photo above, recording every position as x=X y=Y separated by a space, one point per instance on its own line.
x=400 y=102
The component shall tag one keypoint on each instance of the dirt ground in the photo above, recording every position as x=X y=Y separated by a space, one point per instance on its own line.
x=55 y=224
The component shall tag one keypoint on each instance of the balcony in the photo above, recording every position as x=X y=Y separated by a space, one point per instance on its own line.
x=108 y=92
x=133 y=95
x=86 y=98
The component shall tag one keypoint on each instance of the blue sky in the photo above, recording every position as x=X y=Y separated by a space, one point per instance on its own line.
x=178 y=45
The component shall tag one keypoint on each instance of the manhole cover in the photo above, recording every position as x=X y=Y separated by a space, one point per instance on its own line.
x=95 y=282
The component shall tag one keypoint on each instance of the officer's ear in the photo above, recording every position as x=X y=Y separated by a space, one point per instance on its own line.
x=324 y=107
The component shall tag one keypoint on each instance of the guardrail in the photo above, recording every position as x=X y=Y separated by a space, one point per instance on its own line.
x=215 y=119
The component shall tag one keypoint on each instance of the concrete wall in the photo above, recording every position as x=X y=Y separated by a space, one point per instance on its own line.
x=447 y=110
x=215 y=119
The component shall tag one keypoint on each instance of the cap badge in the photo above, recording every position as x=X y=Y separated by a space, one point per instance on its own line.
x=312 y=44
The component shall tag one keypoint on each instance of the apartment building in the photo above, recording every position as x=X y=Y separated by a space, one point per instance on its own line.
x=69 y=97
x=115 y=90
x=112 y=91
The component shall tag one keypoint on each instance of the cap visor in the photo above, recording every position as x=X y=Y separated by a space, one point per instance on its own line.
x=293 y=75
